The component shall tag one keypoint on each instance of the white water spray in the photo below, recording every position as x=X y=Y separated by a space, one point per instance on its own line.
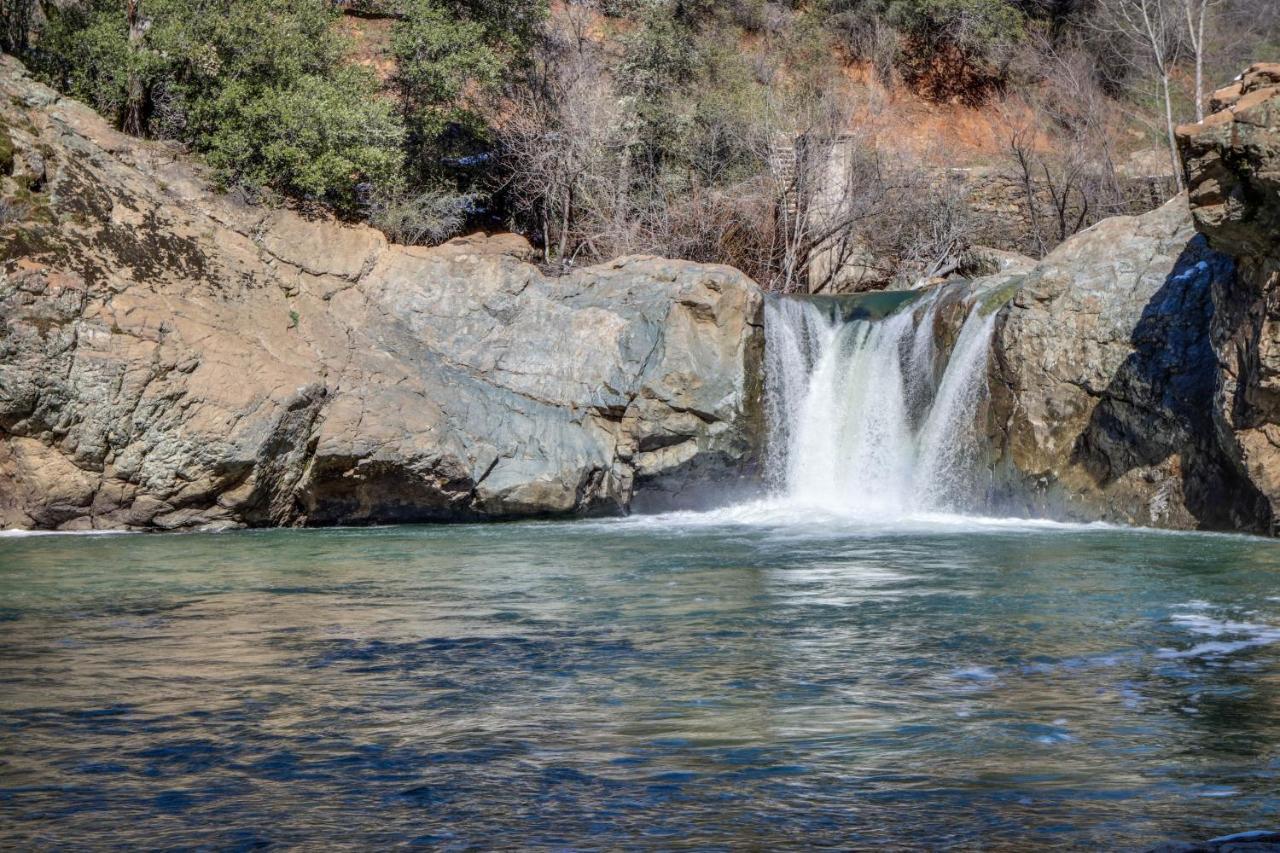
x=863 y=421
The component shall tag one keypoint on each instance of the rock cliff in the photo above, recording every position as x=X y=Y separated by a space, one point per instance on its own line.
x=1233 y=176
x=173 y=358
x=170 y=358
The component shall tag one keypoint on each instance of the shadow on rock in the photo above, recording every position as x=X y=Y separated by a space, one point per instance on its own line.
x=1161 y=405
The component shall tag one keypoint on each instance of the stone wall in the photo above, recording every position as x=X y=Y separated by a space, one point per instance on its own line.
x=996 y=202
x=993 y=199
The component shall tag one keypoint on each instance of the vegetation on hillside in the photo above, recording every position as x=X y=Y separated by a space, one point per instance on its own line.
x=266 y=91
x=696 y=128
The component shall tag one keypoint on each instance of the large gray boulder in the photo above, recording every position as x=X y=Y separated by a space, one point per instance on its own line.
x=1136 y=375
x=170 y=358
x=1103 y=381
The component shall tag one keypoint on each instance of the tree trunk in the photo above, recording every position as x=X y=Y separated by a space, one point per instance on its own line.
x=1196 y=10
x=17 y=26
x=135 y=103
x=1028 y=188
x=546 y=233
x=622 y=193
x=1200 y=64
x=1168 y=122
x=565 y=223
x=1199 y=87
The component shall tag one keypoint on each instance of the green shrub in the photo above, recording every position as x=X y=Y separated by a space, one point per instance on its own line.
x=259 y=86
x=316 y=137
x=981 y=28
x=265 y=90
x=7 y=153
x=84 y=51
x=438 y=55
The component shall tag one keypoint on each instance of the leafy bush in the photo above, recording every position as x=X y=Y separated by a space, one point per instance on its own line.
x=439 y=57
x=982 y=29
x=315 y=137
x=264 y=88
x=260 y=86
x=16 y=18
x=7 y=151
x=84 y=51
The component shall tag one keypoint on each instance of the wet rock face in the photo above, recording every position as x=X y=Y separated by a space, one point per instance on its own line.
x=172 y=359
x=1233 y=175
x=1104 y=377
x=1252 y=841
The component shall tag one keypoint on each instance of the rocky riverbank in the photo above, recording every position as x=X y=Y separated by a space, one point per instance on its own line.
x=1233 y=174
x=171 y=357
x=1103 y=381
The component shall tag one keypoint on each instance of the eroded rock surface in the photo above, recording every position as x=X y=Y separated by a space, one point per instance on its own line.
x=170 y=358
x=1136 y=372
x=1233 y=175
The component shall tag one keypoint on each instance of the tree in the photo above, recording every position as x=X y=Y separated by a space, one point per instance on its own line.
x=565 y=143
x=1071 y=183
x=309 y=137
x=135 y=95
x=1151 y=28
x=660 y=152
x=16 y=19
x=658 y=66
x=83 y=51
x=454 y=60
x=1195 y=12
x=438 y=56
x=945 y=49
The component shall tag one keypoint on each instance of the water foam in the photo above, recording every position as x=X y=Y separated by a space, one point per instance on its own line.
x=782 y=513
x=865 y=417
x=22 y=534
x=1229 y=636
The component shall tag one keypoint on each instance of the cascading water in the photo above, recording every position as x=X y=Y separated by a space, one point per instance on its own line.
x=864 y=417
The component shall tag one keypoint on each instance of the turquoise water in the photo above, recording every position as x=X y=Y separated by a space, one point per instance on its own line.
x=733 y=680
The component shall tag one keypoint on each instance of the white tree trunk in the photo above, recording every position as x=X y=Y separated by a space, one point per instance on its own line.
x=1195 y=10
x=1173 y=141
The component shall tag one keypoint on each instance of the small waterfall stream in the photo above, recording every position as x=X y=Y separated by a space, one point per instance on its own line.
x=868 y=417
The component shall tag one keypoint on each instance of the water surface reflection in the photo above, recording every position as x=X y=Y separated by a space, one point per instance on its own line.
x=666 y=683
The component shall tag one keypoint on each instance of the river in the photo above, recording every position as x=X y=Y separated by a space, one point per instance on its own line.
x=745 y=678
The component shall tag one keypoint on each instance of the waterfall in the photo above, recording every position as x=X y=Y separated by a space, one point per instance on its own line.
x=868 y=417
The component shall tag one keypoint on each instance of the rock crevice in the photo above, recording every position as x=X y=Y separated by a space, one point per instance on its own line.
x=1233 y=176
